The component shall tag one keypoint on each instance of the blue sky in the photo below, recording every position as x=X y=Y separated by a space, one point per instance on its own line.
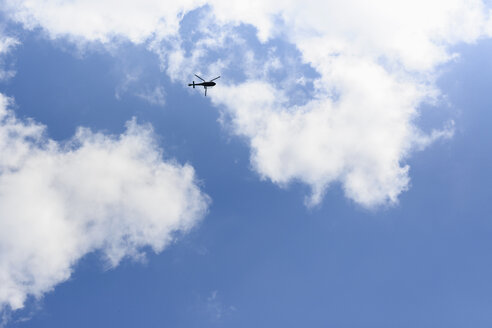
x=247 y=244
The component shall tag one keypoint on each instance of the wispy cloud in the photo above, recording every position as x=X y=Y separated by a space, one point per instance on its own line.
x=6 y=45
x=216 y=309
x=156 y=96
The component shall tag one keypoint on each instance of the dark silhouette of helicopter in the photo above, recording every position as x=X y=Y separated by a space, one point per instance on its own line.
x=205 y=84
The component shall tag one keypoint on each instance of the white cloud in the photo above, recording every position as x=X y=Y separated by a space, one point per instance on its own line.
x=58 y=202
x=415 y=33
x=325 y=141
x=93 y=20
x=377 y=62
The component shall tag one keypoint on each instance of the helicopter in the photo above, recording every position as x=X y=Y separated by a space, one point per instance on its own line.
x=205 y=84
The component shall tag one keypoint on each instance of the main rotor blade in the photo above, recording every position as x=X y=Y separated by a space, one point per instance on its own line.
x=215 y=78
x=200 y=78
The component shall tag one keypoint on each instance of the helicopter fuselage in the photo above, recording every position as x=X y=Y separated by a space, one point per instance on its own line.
x=205 y=84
